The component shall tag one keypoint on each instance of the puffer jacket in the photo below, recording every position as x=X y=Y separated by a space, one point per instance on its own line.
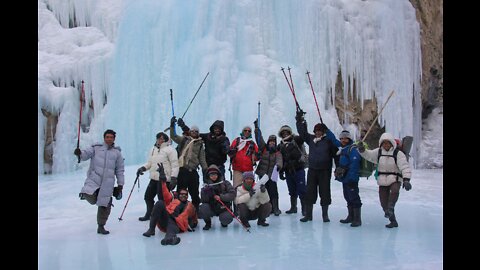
x=222 y=188
x=187 y=217
x=106 y=163
x=386 y=163
x=197 y=153
x=165 y=154
x=268 y=157
x=253 y=202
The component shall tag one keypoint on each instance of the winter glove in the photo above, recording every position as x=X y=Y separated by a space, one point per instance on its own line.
x=361 y=147
x=161 y=172
x=339 y=172
x=255 y=123
x=252 y=192
x=77 y=152
x=262 y=188
x=182 y=125
x=232 y=152
x=406 y=184
x=173 y=120
x=117 y=192
x=173 y=183
x=299 y=116
x=140 y=171
x=282 y=175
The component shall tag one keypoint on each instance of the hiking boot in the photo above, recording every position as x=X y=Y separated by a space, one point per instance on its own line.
x=262 y=223
x=208 y=225
x=224 y=225
x=101 y=230
x=308 y=213
x=170 y=241
x=393 y=222
x=149 y=233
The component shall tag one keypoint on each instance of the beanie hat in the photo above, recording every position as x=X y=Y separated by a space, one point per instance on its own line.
x=195 y=128
x=272 y=138
x=161 y=134
x=322 y=127
x=212 y=169
x=345 y=134
x=250 y=175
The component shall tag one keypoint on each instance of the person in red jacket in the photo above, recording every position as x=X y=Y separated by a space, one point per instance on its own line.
x=243 y=155
x=172 y=216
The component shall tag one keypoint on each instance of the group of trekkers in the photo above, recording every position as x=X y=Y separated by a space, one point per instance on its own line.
x=173 y=175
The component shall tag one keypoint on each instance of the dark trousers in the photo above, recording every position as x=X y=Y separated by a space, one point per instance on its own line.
x=319 y=181
x=296 y=183
x=262 y=212
x=272 y=189
x=190 y=180
x=351 y=194
x=389 y=195
x=103 y=212
x=161 y=216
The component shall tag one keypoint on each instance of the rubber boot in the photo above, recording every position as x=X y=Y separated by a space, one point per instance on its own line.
x=308 y=213
x=101 y=230
x=357 y=217
x=208 y=224
x=147 y=213
x=393 y=222
x=325 y=213
x=276 y=211
x=349 y=218
x=293 y=206
x=303 y=203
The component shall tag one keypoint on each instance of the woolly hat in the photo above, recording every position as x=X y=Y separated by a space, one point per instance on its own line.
x=246 y=175
x=213 y=169
x=272 y=138
x=345 y=134
x=161 y=134
x=322 y=127
x=195 y=128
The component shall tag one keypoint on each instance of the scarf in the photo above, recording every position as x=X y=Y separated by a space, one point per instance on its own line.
x=186 y=152
x=243 y=142
x=318 y=139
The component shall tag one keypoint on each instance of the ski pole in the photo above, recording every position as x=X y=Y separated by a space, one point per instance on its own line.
x=380 y=112
x=313 y=92
x=173 y=111
x=82 y=97
x=258 y=122
x=128 y=199
x=192 y=99
x=233 y=215
x=291 y=89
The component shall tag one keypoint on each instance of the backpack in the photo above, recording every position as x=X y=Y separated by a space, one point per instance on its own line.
x=366 y=167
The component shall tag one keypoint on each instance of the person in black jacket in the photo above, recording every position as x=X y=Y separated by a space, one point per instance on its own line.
x=217 y=145
x=293 y=169
x=322 y=153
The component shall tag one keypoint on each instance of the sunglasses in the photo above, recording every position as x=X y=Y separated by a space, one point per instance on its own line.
x=183 y=194
x=247 y=130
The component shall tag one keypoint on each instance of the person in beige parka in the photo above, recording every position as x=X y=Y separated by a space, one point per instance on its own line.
x=393 y=172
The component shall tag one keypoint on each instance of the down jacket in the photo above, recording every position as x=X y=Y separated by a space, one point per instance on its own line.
x=253 y=202
x=165 y=154
x=386 y=163
x=106 y=163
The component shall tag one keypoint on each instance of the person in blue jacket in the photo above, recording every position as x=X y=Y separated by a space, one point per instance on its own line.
x=347 y=172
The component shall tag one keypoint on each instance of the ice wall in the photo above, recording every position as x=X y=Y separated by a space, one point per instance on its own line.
x=162 y=45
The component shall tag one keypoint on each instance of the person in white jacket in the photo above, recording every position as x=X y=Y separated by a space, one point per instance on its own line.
x=162 y=152
x=393 y=170
x=252 y=204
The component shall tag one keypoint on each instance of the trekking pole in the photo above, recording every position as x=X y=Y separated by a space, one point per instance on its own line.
x=82 y=97
x=173 y=111
x=316 y=103
x=192 y=99
x=368 y=131
x=233 y=215
x=291 y=89
x=258 y=122
x=128 y=199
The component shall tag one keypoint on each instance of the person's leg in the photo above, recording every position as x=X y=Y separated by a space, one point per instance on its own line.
x=292 y=191
x=159 y=215
x=149 y=197
x=103 y=213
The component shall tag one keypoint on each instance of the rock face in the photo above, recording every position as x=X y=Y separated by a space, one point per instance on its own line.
x=430 y=17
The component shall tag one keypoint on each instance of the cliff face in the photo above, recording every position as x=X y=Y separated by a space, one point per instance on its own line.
x=430 y=17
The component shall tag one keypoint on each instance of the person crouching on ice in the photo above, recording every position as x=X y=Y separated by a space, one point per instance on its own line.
x=251 y=204
x=171 y=216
